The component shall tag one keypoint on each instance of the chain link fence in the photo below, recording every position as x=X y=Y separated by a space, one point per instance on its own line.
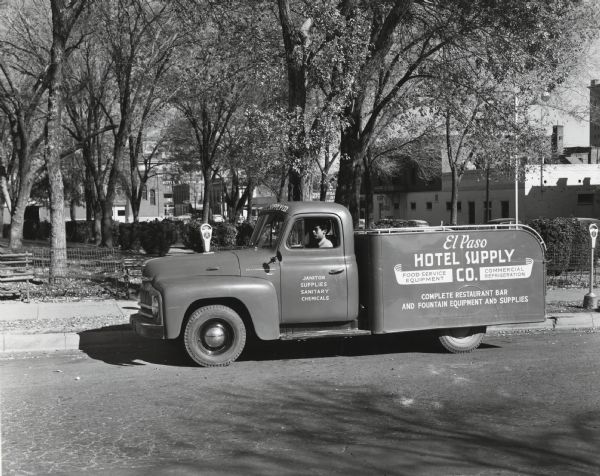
x=85 y=263
x=571 y=267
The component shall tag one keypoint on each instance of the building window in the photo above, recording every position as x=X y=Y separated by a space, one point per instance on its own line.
x=471 y=206
x=413 y=205
x=144 y=193
x=429 y=206
x=121 y=213
x=585 y=199
x=152 y=197
x=504 y=206
x=458 y=206
x=396 y=206
x=448 y=206
x=168 y=195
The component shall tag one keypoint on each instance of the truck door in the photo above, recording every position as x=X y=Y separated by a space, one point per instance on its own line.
x=314 y=285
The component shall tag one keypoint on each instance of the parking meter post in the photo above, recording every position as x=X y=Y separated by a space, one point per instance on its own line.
x=590 y=300
x=206 y=231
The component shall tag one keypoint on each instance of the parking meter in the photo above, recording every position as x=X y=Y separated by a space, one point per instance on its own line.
x=593 y=234
x=206 y=231
x=590 y=301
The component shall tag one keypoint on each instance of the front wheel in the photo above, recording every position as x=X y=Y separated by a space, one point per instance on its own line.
x=214 y=336
x=461 y=340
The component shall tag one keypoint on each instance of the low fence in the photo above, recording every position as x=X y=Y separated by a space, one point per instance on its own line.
x=571 y=267
x=84 y=262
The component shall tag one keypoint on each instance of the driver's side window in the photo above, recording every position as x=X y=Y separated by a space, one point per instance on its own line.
x=314 y=232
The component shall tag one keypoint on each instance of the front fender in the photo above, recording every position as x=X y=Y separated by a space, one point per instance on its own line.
x=258 y=295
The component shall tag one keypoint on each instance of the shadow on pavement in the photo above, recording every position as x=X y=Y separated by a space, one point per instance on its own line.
x=129 y=349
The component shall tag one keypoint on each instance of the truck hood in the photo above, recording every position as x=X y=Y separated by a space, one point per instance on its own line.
x=191 y=265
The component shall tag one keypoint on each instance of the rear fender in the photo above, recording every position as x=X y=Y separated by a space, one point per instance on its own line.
x=258 y=296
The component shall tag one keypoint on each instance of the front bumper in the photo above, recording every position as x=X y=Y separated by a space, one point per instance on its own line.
x=145 y=327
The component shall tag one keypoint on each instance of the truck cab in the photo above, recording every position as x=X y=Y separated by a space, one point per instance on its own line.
x=308 y=274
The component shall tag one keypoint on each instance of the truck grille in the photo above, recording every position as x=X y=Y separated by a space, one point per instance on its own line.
x=145 y=298
x=145 y=302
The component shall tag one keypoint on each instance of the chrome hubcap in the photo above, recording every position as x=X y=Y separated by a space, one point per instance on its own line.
x=215 y=336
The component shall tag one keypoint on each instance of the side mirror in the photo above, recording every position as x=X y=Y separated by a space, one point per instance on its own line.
x=275 y=258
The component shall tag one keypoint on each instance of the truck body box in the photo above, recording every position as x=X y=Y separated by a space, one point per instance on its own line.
x=427 y=278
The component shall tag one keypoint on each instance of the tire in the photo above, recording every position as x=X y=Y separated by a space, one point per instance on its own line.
x=461 y=340
x=214 y=336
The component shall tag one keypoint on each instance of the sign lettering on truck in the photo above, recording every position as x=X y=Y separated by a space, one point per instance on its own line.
x=452 y=278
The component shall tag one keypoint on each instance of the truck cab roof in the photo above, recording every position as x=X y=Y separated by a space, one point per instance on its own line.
x=294 y=208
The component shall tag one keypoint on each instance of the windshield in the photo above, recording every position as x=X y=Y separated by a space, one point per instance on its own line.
x=267 y=231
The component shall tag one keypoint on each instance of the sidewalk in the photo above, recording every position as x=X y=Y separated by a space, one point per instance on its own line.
x=33 y=326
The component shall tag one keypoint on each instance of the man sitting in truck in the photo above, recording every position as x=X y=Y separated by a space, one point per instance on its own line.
x=320 y=235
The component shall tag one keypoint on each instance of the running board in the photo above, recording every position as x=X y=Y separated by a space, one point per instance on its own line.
x=301 y=335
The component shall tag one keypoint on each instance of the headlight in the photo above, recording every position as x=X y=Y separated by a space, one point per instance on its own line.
x=155 y=306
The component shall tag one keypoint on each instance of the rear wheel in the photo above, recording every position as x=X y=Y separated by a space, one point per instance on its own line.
x=214 y=336
x=461 y=340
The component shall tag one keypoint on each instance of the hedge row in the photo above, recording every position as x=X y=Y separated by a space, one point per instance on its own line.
x=567 y=242
x=154 y=237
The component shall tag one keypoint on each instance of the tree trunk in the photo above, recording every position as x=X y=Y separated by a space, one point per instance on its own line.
x=24 y=150
x=97 y=223
x=351 y=171
x=107 y=236
x=206 y=198
x=295 y=41
x=454 y=198
x=487 y=194
x=1 y=215
x=323 y=186
x=58 y=238
x=368 y=192
x=17 y=218
x=73 y=210
x=64 y=15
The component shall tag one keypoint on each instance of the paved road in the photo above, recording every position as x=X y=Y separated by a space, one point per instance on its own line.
x=521 y=404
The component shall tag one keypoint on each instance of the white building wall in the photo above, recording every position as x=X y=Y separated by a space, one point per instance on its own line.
x=432 y=206
x=562 y=190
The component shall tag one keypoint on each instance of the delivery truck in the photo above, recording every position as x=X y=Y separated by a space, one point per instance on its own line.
x=307 y=274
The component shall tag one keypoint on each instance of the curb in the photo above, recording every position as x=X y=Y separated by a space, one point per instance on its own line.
x=114 y=338
x=65 y=340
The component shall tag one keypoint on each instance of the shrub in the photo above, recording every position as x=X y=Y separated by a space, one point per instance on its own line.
x=36 y=230
x=224 y=235
x=559 y=234
x=244 y=233
x=129 y=236
x=191 y=236
x=80 y=231
x=156 y=237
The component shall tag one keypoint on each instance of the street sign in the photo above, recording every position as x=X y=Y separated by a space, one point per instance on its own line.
x=594 y=234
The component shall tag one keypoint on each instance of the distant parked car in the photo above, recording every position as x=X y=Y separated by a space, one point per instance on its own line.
x=588 y=221
x=399 y=223
x=218 y=218
x=418 y=223
x=502 y=221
